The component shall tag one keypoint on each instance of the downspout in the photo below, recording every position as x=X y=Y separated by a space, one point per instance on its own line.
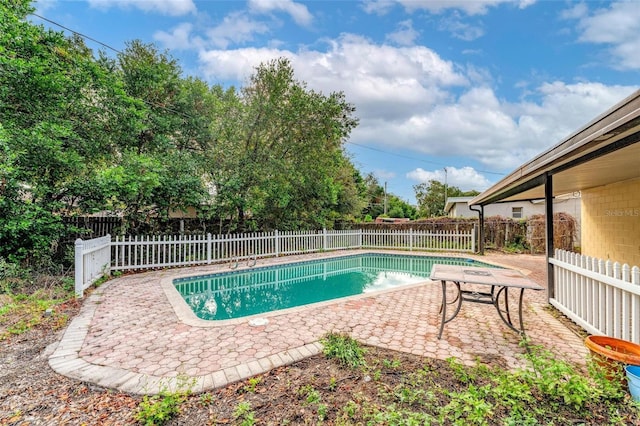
x=548 y=206
x=481 y=230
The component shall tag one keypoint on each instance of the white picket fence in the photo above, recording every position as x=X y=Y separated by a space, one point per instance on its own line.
x=92 y=261
x=153 y=252
x=603 y=297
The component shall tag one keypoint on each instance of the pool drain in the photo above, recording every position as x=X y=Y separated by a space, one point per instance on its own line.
x=257 y=322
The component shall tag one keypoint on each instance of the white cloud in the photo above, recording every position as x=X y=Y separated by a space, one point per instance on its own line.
x=499 y=135
x=384 y=82
x=577 y=11
x=378 y=7
x=236 y=28
x=460 y=29
x=617 y=26
x=411 y=99
x=236 y=65
x=163 y=7
x=44 y=5
x=465 y=178
x=179 y=38
x=384 y=174
x=469 y=7
x=475 y=7
x=298 y=12
x=523 y=4
x=405 y=35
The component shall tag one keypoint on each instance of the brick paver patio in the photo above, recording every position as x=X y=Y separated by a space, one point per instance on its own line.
x=135 y=334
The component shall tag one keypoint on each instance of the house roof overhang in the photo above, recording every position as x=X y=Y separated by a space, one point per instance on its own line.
x=603 y=152
x=451 y=201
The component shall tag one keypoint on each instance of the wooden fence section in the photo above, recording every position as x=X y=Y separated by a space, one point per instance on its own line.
x=92 y=261
x=601 y=296
x=94 y=226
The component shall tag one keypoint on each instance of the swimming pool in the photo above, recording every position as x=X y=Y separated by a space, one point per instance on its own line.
x=238 y=294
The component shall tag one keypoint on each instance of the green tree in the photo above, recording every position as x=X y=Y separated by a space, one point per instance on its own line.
x=431 y=197
x=400 y=208
x=84 y=134
x=154 y=78
x=280 y=161
x=376 y=197
x=159 y=166
x=81 y=133
x=58 y=108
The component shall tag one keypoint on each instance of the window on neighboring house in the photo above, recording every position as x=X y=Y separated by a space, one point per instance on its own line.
x=516 y=212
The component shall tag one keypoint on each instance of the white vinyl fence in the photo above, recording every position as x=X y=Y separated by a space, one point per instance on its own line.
x=137 y=253
x=601 y=296
x=92 y=261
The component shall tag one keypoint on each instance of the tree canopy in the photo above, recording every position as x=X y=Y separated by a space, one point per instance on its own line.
x=381 y=203
x=431 y=197
x=129 y=135
x=281 y=163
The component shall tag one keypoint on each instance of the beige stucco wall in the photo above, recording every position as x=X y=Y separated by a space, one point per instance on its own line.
x=611 y=222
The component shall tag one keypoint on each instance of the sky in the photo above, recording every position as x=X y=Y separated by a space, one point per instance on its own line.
x=460 y=91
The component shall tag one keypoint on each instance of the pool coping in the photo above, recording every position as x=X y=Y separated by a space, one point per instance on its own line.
x=64 y=355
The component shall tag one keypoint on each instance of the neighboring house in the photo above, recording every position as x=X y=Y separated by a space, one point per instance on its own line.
x=459 y=207
x=602 y=162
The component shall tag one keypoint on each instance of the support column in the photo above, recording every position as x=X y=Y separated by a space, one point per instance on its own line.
x=548 y=205
x=481 y=228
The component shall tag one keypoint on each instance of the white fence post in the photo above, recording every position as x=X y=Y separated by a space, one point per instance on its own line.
x=79 y=269
x=635 y=305
x=324 y=239
x=473 y=239
x=92 y=261
x=410 y=239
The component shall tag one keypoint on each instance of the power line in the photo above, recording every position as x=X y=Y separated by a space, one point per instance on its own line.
x=76 y=32
x=188 y=116
x=150 y=103
x=416 y=159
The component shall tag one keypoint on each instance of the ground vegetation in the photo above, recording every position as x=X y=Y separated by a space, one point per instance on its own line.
x=349 y=383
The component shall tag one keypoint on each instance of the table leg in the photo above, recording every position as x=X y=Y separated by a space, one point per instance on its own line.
x=443 y=306
x=520 y=311
x=507 y=320
x=506 y=304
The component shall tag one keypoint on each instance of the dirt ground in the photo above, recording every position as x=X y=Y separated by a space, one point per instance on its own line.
x=32 y=394
x=314 y=390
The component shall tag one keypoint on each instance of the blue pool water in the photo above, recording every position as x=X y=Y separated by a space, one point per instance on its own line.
x=238 y=294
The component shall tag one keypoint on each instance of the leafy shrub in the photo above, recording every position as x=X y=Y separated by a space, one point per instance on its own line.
x=346 y=350
x=157 y=409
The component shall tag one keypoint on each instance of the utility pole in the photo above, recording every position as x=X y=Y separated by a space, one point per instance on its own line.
x=385 y=198
x=445 y=191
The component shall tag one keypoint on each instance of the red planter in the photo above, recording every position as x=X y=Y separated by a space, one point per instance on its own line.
x=613 y=354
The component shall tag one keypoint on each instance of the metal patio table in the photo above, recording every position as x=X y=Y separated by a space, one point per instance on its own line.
x=500 y=280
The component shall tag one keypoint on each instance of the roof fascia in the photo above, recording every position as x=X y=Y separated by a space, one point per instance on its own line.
x=532 y=173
